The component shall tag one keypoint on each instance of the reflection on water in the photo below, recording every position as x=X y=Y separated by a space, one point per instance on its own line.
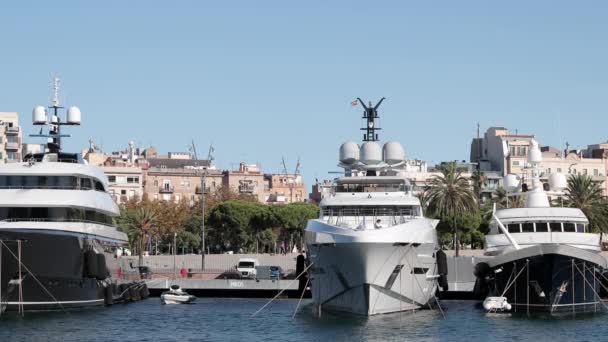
x=216 y=319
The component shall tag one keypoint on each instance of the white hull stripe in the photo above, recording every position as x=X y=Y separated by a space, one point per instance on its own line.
x=55 y=303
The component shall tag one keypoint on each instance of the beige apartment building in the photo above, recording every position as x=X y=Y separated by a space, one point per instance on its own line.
x=175 y=179
x=248 y=179
x=10 y=137
x=284 y=188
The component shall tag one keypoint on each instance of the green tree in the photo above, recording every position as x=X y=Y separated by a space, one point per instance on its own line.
x=450 y=196
x=586 y=194
x=141 y=226
x=292 y=218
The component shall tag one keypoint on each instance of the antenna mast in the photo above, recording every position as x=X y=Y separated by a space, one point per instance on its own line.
x=370 y=115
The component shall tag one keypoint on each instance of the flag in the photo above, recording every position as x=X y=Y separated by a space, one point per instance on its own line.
x=354 y=103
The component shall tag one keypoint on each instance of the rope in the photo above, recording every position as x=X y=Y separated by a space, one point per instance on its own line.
x=283 y=290
x=35 y=278
x=512 y=282
x=585 y=279
x=300 y=301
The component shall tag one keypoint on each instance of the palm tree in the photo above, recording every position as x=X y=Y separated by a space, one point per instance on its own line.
x=451 y=195
x=144 y=221
x=586 y=194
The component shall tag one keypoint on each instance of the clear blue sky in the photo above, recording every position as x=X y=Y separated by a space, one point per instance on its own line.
x=266 y=79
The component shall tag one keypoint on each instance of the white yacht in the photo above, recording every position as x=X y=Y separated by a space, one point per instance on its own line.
x=544 y=258
x=57 y=237
x=371 y=251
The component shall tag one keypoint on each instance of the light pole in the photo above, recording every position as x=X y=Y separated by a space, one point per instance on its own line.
x=204 y=174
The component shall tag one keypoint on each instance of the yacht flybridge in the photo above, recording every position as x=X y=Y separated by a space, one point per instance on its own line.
x=371 y=250
x=56 y=229
x=544 y=258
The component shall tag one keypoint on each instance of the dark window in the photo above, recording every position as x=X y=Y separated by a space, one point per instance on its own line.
x=580 y=228
x=527 y=227
x=513 y=228
x=555 y=226
x=542 y=227
x=420 y=270
x=98 y=186
x=112 y=179
x=85 y=184
x=569 y=227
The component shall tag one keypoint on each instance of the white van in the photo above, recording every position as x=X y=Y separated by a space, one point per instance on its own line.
x=246 y=267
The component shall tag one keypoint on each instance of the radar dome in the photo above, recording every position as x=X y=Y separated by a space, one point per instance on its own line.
x=557 y=182
x=511 y=182
x=349 y=153
x=393 y=152
x=74 y=115
x=371 y=153
x=39 y=115
x=534 y=156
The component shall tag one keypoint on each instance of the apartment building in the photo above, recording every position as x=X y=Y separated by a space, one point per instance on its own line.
x=248 y=179
x=284 y=188
x=10 y=137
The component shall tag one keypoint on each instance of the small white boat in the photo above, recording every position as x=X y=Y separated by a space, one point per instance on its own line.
x=176 y=295
x=496 y=304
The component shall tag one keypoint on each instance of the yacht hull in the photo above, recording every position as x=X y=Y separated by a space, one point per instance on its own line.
x=546 y=278
x=53 y=271
x=372 y=278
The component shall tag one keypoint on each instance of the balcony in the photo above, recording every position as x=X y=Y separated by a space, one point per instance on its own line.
x=11 y=130
x=12 y=146
x=246 y=189
x=167 y=189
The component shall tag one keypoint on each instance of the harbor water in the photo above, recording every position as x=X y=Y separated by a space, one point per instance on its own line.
x=221 y=319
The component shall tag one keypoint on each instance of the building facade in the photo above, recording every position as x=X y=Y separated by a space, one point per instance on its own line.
x=10 y=137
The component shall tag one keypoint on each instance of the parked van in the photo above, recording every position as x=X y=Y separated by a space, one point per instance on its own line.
x=246 y=267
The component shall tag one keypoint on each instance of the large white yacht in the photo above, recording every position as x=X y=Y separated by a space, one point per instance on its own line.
x=371 y=251
x=57 y=236
x=544 y=258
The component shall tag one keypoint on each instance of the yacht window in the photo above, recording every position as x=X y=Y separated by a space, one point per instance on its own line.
x=580 y=228
x=569 y=227
x=555 y=226
x=527 y=227
x=542 y=227
x=85 y=184
x=53 y=214
x=513 y=228
x=98 y=186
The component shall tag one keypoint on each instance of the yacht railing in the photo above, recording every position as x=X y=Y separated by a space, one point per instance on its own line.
x=367 y=218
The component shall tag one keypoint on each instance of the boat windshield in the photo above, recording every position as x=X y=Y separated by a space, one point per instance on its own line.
x=396 y=187
x=545 y=227
x=369 y=217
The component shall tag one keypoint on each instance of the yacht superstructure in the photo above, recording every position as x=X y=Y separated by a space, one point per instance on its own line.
x=57 y=237
x=371 y=250
x=544 y=258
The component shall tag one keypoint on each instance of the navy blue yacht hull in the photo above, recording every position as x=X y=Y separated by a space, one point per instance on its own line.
x=54 y=272
x=546 y=282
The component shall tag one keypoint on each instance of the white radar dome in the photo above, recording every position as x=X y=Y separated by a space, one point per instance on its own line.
x=349 y=153
x=371 y=153
x=393 y=152
x=74 y=115
x=557 y=182
x=511 y=182
x=39 y=115
x=534 y=156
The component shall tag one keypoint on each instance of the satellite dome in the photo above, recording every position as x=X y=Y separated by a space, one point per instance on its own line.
x=371 y=153
x=393 y=152
x=74 y=115
x=349 y=153
x=534 y=156
x=511 y=182
x=39 y=115
x=557 y=182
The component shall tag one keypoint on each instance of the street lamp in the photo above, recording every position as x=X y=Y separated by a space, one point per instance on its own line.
x=203 y=175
